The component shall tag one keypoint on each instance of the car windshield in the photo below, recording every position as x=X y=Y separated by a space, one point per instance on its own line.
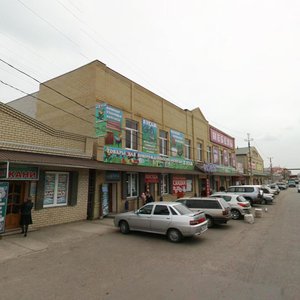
x=182 y=209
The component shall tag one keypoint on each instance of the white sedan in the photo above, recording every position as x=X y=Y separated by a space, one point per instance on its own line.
x=169 y=218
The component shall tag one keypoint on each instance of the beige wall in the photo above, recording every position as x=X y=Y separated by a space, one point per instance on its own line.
x=95 y=83
x=19 y=132
x=65 y=214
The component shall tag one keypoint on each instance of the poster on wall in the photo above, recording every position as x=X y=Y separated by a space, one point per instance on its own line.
x=62 y=189
x=177 y=143
x=149 y=136
x=216 y=155
x=108 y=124
x=49 y=189
x=179 y=185
x=104 y=199
x=3 y=204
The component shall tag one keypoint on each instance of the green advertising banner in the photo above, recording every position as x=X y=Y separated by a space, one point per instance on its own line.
x=3 y=204
x=109 y=124
x=130 y=157
x=149 y=136
x=177 y=143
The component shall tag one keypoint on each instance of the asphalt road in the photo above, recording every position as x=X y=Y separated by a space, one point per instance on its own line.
x=233 y=261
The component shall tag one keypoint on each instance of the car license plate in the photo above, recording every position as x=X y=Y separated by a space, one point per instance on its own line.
x=203 y=227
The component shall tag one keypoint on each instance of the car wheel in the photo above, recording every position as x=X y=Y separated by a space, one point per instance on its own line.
x=124 y=227
x=174 y=235
x=235 y=214
x=210 y=222
x=263 y=201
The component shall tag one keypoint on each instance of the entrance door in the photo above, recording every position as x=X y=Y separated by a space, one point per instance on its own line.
x=112 y=190
x=14 y=201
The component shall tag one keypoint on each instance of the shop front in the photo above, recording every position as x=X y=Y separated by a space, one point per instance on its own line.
x=21 y=181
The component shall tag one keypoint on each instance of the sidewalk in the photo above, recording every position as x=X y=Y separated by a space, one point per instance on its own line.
x=12 y=246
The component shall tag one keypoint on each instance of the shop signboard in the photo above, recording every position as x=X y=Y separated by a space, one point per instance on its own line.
x=151 y=178
x=220 y=138
x=108 y=123
x=3 y=170
x=131 y=157
x=112 y=176
x=149 y=139
x=11 y=171
x=3 y=204
x=179 y=185
x=216 y=155
x=177 y=143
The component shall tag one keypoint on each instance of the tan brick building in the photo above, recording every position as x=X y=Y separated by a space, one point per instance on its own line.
x=144 y=141
x=46 y=164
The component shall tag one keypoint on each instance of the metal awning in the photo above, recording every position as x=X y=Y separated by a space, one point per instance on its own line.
x=74 y=162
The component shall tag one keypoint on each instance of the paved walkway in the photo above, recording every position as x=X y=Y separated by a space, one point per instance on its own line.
x=12 y=246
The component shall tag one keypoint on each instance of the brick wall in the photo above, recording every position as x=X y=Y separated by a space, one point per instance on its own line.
x=65 y=214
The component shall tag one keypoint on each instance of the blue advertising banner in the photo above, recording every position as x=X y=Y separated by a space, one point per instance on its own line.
x=3 y=204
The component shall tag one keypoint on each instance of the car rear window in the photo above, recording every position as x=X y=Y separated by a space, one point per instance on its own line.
x=182 y=209
x=240 y=199
x=203 y=203
x=226 y=198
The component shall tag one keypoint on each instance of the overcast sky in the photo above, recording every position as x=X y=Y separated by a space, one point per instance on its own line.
x=238 y=61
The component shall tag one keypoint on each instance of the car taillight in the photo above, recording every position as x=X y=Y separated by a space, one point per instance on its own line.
x=195 y=222
x=226 y=212
x=243 y=204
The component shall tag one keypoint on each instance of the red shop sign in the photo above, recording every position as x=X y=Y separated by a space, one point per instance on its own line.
x=179 y=185
x=151 y=178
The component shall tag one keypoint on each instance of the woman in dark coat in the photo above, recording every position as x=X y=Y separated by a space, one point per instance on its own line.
x=26 y=219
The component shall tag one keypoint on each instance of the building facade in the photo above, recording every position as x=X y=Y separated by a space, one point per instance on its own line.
x=47 y=165
x=252 y=165
x=144 y=142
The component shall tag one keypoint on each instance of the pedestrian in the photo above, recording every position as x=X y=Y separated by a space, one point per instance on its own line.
x=26 y=218
x=143 y=197
x=149 y=197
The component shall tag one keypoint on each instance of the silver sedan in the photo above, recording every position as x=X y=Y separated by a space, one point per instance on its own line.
x=168 y=218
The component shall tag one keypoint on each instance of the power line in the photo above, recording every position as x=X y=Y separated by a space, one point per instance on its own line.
x=49 y=87
x=31 y=95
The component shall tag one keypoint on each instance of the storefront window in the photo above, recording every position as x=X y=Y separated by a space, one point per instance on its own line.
x=165 y=184
x=56 y=189
x=132 y=184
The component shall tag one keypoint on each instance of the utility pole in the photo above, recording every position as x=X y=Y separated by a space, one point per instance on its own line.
x=271 y=169
x=250 y=158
